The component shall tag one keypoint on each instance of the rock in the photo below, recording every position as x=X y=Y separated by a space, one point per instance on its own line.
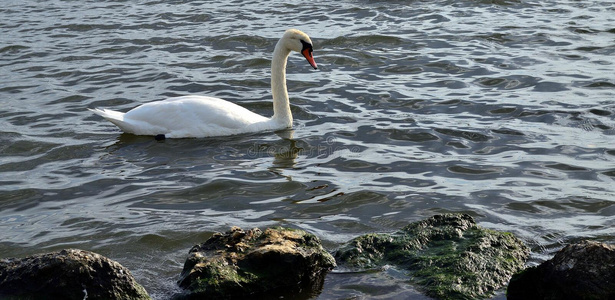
x=68 y=274
x=585 y=270
x=448 y=256
x=240 y=263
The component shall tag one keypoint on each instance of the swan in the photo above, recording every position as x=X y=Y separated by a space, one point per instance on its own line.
x=201 y=116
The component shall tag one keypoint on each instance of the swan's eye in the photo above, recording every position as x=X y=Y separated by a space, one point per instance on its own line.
x=306 y=46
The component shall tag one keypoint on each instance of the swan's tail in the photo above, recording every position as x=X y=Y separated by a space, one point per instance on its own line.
x=112 y=116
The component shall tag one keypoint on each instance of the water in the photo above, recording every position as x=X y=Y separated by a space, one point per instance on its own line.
x=501 y=109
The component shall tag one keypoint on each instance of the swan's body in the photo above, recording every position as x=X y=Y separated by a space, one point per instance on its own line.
x=200 y=116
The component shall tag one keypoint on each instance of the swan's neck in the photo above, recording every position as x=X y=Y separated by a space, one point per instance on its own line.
x=281 y=106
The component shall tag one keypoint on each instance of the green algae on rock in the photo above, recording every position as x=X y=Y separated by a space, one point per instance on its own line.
x=248 y=263
x=448 y=256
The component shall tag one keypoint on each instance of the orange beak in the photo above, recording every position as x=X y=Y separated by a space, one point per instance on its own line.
x=307 y=53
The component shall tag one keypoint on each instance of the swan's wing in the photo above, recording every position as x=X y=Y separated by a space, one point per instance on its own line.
x=192 y=116
x=117 y=118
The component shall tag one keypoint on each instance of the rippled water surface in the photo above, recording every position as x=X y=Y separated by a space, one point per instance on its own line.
x=501 y=109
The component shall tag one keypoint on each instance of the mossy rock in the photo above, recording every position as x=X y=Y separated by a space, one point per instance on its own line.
x=240 y=263
x=448 y=256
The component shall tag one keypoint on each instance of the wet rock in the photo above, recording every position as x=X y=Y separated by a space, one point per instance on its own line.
x=238 y=264
x=447 y=256
x=68 y=274
x=585 y=270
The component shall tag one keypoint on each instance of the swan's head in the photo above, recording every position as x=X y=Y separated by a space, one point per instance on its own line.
x=298 y=41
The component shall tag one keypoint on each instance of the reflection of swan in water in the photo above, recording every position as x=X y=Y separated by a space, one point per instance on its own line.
x=200 y=116
x=283 y=151
x=278 y=154
x=285 y=157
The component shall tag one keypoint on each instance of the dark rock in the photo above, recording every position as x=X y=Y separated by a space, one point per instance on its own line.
x=585 y=270
x=68 y=274
x=240 y=263
x=447 y=256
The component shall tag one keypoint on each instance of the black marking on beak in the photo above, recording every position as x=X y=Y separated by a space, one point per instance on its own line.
x=307 y=52
x=306 y=45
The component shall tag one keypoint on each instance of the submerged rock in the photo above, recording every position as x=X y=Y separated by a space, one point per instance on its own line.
x=240 y=263
x=448 y=256
x=585 y=270
x=68 y=274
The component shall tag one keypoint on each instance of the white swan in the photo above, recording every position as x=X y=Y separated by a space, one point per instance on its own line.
x=200 y=116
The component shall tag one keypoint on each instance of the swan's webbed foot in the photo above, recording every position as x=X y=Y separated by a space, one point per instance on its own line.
x=160 y=137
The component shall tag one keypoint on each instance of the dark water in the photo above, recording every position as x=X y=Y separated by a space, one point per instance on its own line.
x=501 y=109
